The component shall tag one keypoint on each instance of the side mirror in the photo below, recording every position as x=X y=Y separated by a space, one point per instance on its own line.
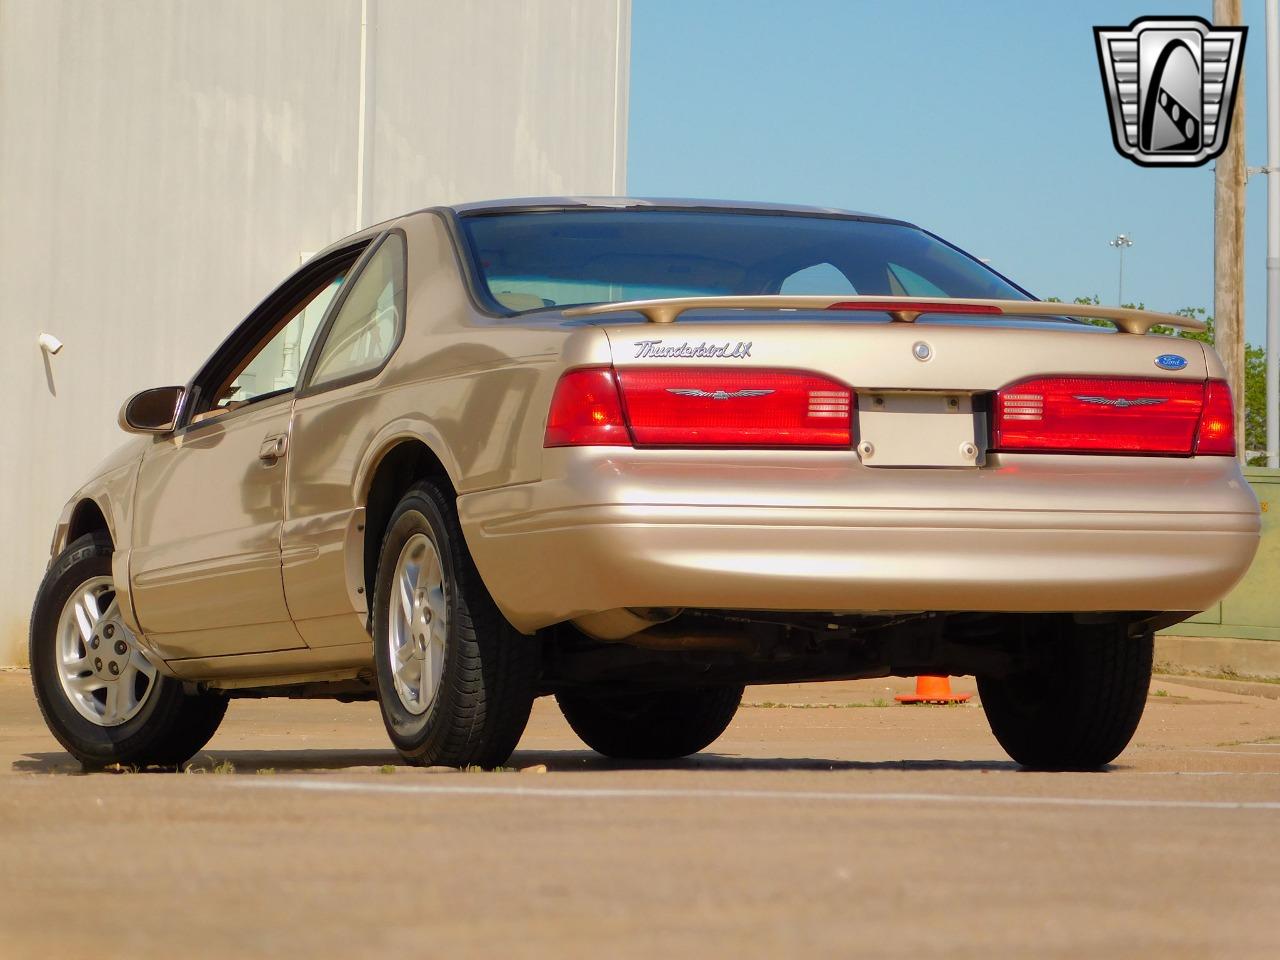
x=151 y=411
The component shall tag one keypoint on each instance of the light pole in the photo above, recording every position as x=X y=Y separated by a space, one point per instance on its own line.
x=1120 y=242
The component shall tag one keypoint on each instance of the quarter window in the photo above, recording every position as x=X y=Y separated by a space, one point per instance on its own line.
x=365 y=330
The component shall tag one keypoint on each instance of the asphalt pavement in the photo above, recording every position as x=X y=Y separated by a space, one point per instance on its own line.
x=827 y=822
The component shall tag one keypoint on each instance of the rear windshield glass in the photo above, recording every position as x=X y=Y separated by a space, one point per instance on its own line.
x=530 y=261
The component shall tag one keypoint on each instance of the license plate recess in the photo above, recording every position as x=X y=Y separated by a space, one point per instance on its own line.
x=920 y=429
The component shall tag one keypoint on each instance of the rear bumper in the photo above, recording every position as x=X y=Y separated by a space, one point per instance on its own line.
x=820 y=532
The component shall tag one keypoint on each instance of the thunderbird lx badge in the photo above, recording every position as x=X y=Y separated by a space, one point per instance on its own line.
x=656 y=348
x=1170 y=84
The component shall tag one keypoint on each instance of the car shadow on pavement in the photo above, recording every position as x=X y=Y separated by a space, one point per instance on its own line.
x=233 y=761
x=586 y=761
x=554 y=761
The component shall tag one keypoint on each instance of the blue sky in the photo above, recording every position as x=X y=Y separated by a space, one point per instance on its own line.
x=983 y=121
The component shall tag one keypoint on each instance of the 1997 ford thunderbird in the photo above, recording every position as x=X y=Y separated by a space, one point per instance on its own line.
x=639 y=454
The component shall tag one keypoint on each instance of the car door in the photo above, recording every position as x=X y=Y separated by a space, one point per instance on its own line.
x=205 y=564
x=338 y=408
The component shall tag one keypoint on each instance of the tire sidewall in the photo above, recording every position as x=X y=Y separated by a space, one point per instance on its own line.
x=93 y=744
x=417 y=513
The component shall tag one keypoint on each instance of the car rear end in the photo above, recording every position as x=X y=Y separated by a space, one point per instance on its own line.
x=809 y=411
x=867 y=466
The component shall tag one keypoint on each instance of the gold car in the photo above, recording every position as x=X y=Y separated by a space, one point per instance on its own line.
x=639 y=454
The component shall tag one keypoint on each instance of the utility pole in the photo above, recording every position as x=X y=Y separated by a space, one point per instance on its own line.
x=1273 y=233
x=1228 y=241
x=1120 y=242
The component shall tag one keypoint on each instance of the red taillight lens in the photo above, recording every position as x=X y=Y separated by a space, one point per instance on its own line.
x=711 y=406
x=699 y=407
x=1109 y=415
x=586 y=411
x=1217 y=436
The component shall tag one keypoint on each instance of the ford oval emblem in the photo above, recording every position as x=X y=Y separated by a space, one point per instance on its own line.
x=1170 y=361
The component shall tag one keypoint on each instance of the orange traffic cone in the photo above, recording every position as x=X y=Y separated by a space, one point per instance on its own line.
x=933 y=690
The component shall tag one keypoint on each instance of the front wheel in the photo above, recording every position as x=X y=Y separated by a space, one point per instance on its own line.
x=1077 y=708
x=455 y=680
x=650 y=725
x=100 y=695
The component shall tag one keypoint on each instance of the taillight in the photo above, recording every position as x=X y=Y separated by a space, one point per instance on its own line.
x=1113 y=415
x=711 y=406
x=699 y=407
x=586 y=411
x=1217 y=436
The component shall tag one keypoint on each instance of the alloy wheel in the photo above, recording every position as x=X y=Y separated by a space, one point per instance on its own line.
x=105 y=675
x=418 y=621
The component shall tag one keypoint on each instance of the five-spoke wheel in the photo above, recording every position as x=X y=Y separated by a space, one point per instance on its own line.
x=455 y=680
x=418 y=621
x=100 y=694
x=104 y=674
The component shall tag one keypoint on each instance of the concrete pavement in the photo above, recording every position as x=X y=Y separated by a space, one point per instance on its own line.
x=822 y=824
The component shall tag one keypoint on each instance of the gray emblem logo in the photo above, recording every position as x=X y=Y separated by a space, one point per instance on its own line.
x=717 y=394
x=1120 y=402
x=1170 y=84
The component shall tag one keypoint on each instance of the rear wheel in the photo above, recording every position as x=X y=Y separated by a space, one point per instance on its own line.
x=1078 y=709
x=455 y=680
x=100 y=695
x=650 y=725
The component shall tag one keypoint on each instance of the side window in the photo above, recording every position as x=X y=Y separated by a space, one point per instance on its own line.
x=819 y=279
x=364 y=332
x=242 y=374
x=275 y=367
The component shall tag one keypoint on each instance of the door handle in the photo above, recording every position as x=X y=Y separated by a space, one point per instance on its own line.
x=273 y=449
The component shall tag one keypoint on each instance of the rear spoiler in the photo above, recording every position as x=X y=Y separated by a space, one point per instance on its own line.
x=901 y=309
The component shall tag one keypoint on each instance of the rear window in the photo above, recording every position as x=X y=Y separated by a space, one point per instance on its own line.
x=531 y=261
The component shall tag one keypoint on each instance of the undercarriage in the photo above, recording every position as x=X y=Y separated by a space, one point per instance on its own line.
x=701 y=648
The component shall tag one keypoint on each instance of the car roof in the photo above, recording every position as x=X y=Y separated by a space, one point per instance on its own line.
x=543 y=204
x=532 y=204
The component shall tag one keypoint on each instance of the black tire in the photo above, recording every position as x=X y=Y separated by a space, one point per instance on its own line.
x=1079 y=707
x=490 y=670
x=172 y=724
x=650 y=725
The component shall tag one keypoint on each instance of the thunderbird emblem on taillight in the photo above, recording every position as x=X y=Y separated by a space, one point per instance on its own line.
x=1121 y=402
x=717 y=394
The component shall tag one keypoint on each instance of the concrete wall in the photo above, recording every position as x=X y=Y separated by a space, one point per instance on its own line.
x=163 y=163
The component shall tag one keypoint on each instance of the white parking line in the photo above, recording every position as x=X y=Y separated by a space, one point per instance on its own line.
x=674 y=793
x=1203 y=773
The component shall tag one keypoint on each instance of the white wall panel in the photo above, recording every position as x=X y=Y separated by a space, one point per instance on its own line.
x=164 y=164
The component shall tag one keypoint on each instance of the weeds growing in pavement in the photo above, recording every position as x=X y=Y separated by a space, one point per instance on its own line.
x=771 y=705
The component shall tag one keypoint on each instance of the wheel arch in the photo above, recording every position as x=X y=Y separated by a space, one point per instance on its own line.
x=82 y=514
x=401 y=461
x=87 y=517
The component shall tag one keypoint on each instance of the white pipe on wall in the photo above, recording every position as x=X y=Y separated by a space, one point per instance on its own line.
x=362 y=115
